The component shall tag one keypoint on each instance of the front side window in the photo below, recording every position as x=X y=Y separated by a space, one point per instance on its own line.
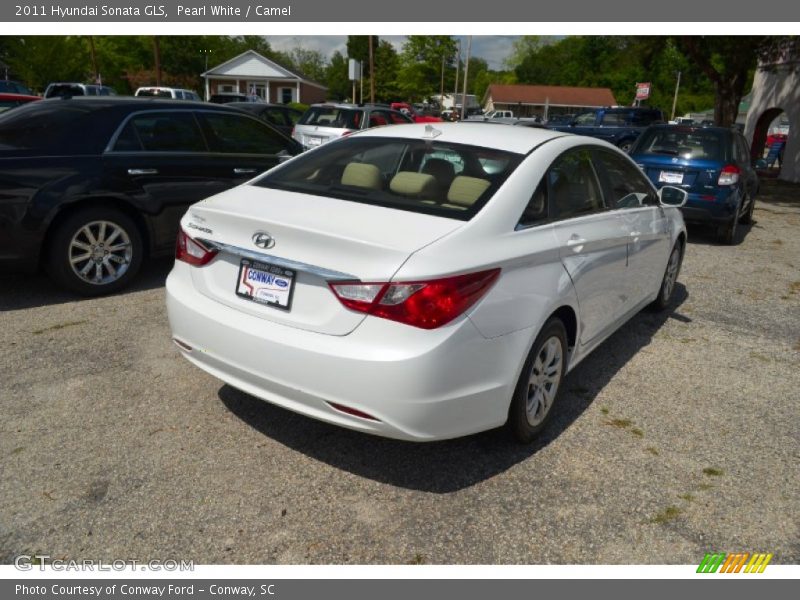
x=422 y=176
x=161 y=132
x=625 y=185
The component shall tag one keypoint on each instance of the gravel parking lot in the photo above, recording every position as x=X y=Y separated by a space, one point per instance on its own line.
x=678 y=436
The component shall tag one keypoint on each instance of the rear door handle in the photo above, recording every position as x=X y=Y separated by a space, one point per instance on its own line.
x=142 y=171
x=240 y=171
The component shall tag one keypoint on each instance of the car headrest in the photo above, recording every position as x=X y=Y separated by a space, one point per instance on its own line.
x=363 y=175
x=464 y=190
x=409 y=183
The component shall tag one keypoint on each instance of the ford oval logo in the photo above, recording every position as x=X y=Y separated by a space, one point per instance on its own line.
x=263 y=240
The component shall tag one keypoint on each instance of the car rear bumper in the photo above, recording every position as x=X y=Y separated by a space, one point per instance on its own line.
x=418 y=385
x=701 y=209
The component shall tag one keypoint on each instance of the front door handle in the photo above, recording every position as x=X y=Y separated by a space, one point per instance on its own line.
x=576 y=242
x=241 y=171
x=142 y=171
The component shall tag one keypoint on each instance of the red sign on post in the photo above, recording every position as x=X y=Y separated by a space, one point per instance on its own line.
x=642 y=91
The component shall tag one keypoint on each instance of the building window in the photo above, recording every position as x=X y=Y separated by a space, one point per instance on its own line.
x=226 y=88
x=287 y=95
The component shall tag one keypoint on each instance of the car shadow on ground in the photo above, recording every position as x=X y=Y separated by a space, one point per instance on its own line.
x=449 y=466
x=707 y=234
x=30 y=290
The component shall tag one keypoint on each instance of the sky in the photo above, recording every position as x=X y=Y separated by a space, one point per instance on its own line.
x=493 y=48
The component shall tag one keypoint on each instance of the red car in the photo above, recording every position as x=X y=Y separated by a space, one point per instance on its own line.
x=8 y=101
x=407 y=109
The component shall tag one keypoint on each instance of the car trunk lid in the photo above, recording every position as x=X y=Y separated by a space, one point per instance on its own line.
x=311 y=240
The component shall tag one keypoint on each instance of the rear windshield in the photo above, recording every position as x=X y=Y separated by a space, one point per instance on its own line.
x=423 y=176
x=331 y=116
x=56 y=91
x=682 y=143
x=155 y=93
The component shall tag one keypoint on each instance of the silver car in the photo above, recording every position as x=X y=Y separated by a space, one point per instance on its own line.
x=325 y=122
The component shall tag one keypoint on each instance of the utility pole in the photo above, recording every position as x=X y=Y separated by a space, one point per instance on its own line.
x=441 y=88
x=675 y=98
x=157 y=59
x=466 y=73
x=95 y=71
x=371 y=72
x=361 y=79
x=458 y=66
x=206 y=52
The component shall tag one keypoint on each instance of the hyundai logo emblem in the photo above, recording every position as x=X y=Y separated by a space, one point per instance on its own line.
x=263 y=240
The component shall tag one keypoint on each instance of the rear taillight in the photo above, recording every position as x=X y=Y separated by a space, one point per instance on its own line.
x=191 y=251
x=425 y=304
x=729 y=175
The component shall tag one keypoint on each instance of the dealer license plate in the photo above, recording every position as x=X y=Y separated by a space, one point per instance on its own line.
x=265 y=283
x=670 y=177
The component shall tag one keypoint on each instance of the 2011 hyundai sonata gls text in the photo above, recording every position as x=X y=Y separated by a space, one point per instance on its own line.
x=423 y=282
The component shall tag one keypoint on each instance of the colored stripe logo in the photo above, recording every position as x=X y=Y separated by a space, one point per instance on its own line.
x=736 y=562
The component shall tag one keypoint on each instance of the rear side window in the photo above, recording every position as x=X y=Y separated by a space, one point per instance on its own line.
x=572 y=186
x=275 y=116
x=57 y=91
x=331 y=116
x=161 y=132
x=642 y=118
x=240 y=135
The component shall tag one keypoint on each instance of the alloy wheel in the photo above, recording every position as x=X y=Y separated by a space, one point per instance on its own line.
x=545 y=377
x=100 y=252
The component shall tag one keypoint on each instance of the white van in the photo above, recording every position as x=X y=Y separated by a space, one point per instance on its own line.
x=167 y=92
x=63 y=89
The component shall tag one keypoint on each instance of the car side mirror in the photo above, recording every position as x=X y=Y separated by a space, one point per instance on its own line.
x=672 y=196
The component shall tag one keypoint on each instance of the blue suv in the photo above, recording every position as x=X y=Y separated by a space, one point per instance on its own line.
x=618 y=125
x=712 y=164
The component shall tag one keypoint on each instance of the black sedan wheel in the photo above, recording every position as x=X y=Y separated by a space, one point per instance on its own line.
x=95 y=251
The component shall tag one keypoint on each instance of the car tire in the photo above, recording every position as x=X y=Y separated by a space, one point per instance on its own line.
x=747 y=217
x=667 y=289
x=539 y=383
x=95 y=251
x=726 y=234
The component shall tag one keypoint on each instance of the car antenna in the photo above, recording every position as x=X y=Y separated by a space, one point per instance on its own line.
x=431 y=132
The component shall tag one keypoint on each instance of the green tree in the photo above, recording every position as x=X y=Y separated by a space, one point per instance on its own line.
x=729 y=62
x=387 y=65
x=423 y=60
x=339 y=86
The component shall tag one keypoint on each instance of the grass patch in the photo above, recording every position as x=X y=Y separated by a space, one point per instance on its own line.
x=687 y=340
x=620 y=423
x=604 y=410
x=777 y=242
x=419 y=559
x=713 y=472
x=652 y=450
x=687 y=496
x=58 y=326
x=668 y=514
x=760 y=357
x=704 y=487
x=17 y=450
x=637 y=432
x=794 y=287
x=797 y=346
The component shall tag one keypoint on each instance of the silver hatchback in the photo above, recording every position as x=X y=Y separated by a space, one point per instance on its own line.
x=325 y=122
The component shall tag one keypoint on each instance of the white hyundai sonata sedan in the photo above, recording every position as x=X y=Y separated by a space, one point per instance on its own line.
x=423 y=282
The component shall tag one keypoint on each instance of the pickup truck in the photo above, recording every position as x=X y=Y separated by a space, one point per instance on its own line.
x=617 y=125
x=504 y=116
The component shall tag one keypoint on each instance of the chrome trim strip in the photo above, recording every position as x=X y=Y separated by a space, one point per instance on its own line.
x=327 y=274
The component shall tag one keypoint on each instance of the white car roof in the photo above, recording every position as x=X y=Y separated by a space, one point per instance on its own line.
x=488 y=135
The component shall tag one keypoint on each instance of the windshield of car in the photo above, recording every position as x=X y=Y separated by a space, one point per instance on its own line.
x=424 y=176
x=683 y=143
x=332 y=116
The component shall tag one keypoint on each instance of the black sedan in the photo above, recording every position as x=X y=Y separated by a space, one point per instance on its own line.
x=280 y=116
x=90 y=186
